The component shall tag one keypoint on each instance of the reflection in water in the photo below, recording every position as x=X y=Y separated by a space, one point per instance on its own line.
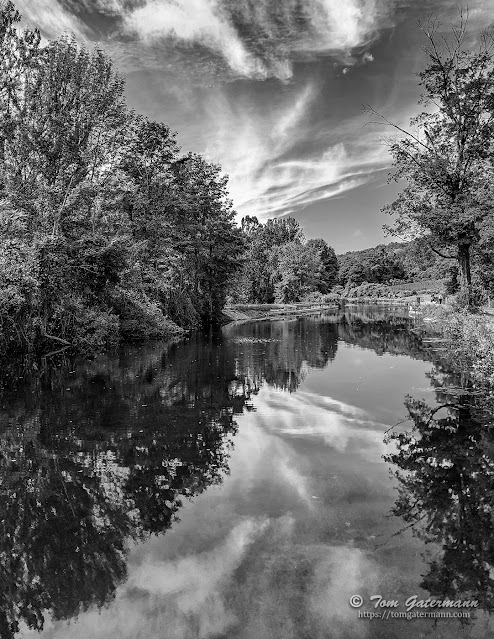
x=388 y=333
x=94 y=457
x=99 y=459
x=99 y=455
x=446 y=484
x=279 y=352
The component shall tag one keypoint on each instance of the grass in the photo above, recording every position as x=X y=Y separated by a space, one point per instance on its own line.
x=469 y=339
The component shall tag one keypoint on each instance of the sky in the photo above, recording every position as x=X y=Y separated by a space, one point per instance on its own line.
x=274 y=91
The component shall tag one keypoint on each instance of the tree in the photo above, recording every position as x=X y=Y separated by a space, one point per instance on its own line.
x=105 y=231
x=206 y=233
x=299 y=266
x=18 y=60
x=446 y=155
x=328 y=271
x=379 y=264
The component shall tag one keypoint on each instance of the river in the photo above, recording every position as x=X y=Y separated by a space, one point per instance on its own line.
x=239 y=485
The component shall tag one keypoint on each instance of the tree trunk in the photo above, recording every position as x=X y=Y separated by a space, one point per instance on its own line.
x=464 y=267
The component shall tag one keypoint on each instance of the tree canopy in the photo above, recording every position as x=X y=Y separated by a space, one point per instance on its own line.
x=280 y=265
x=107 y=230
x=446 y=155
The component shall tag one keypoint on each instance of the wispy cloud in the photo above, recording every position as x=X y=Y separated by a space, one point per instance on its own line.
x=340 y=426
x=279 y=162
x=195 y=21
x=257 y=40
x=51 y=18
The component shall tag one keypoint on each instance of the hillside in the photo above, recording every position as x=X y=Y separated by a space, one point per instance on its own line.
x=394 y=262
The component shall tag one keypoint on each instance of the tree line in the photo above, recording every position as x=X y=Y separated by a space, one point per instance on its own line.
x=393 y=263
x=107 y=230
x=280 y=265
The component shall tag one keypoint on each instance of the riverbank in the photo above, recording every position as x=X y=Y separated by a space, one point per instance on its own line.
x=467 y=338
x=242 y=312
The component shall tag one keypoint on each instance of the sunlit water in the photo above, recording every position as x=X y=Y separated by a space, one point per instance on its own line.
x=229 y=486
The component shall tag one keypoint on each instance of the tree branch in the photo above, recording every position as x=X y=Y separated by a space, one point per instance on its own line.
x=446 y=257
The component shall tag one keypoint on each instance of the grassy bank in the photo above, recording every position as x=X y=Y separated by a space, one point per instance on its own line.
x=468 y=339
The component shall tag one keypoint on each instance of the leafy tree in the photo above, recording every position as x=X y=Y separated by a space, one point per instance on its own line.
x=379 y=264
x=109 y=233
x=206 y=234
x=446 y=157
x=261 y=263
x=18 y=61
x=299 y=268
x=328 y=271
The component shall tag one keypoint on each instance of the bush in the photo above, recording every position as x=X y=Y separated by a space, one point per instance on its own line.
x=140 y=319
x=477 y=295
x=331 y=298
x=367 y=290
x=92 y=328
x=313 y=297
x=471 y=339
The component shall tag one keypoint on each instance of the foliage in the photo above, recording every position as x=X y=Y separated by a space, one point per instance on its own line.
x=473 y=299
x=280 y=265
x=298 y=270
x=447 y=164
x=107 y=232
x=367 y=290
x=470 y=341
x=392 y=264
x=327 y=270
x=332 y=298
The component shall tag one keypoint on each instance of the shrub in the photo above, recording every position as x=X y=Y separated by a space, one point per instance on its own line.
x=370 y=290
x=313 y=296
x=140 y=319
x=478 y=298
x=471 y=340
x=331 y=298
x=93 y=328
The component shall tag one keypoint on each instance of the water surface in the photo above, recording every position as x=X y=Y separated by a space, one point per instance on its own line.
x=233 y=486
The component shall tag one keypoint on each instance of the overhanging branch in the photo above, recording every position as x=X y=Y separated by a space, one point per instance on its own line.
x=446 y=257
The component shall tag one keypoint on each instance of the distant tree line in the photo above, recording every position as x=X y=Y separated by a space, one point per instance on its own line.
x=106 y=230
x=280 y=265
x=412 y=261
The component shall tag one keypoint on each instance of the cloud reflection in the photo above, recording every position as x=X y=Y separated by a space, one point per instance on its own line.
x=307 y=415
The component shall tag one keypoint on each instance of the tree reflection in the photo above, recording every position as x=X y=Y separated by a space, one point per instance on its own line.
x=446 y=485
x=389 y=333
x=278 y=352
x=94 y=457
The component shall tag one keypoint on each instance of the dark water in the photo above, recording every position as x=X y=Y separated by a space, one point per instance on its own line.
x=233 y=486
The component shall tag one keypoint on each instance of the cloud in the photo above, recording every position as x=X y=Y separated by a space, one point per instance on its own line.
x=340 y=426
x=256 y=40
x=51 y=18
x=279 y=161
x=195 y=21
